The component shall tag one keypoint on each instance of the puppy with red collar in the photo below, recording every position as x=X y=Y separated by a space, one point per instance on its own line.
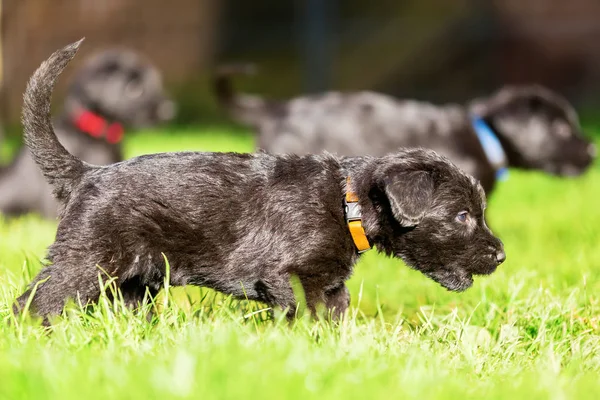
x=113 y=89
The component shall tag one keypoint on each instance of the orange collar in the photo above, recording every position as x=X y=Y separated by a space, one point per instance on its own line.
x=354 y=219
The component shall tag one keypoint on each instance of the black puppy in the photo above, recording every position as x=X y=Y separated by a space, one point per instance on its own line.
x=527 y=127
x=244 y=224
x=112 y=89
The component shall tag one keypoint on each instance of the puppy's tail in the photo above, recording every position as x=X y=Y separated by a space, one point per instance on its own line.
x=244 y=108
x=60 y=168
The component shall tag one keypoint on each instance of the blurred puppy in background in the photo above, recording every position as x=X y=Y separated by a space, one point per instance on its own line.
x=528 y=127
x=113 y=89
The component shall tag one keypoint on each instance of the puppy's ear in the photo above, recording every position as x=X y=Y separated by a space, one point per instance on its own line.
x=532 y=98
x=410 y=195
x=486 y=107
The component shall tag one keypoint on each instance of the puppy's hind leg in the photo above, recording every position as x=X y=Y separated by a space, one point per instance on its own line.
x=57 y=283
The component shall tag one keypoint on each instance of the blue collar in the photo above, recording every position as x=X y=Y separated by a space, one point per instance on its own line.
x=491 y=147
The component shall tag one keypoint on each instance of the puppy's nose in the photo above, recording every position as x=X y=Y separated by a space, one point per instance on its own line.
x=500 y=256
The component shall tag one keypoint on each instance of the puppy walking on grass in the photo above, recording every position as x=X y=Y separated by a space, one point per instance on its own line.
x=244 y=224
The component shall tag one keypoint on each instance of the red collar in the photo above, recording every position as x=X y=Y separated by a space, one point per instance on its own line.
x=97 y=127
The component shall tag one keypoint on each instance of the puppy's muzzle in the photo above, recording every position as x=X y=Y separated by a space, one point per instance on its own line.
x=497 y=253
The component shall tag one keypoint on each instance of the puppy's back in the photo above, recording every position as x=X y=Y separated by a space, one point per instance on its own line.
x=361 y=123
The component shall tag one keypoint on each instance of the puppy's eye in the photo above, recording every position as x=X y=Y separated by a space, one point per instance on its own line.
x=462 y=216
x=134 y=90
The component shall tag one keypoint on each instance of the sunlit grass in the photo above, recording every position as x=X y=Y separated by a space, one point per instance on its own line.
x=530 y=330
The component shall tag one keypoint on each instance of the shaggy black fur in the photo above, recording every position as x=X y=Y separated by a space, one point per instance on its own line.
x=118 y=85
x=537 y=128
x=244 y=224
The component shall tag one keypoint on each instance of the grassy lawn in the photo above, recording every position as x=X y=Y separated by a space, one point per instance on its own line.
x=531 y=330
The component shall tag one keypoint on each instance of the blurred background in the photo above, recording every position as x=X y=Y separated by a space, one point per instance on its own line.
x=437 y=50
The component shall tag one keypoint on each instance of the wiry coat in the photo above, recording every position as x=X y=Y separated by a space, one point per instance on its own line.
x=245 y=224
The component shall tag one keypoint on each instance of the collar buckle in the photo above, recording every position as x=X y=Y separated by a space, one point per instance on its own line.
x=353 y=212
x=353 y=217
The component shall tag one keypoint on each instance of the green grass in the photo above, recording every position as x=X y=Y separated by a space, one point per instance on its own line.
x=531 y=330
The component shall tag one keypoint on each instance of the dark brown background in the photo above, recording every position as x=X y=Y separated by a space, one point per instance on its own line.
x=441 y=50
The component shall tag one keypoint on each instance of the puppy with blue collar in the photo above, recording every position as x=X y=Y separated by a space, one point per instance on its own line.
x=526 y=127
